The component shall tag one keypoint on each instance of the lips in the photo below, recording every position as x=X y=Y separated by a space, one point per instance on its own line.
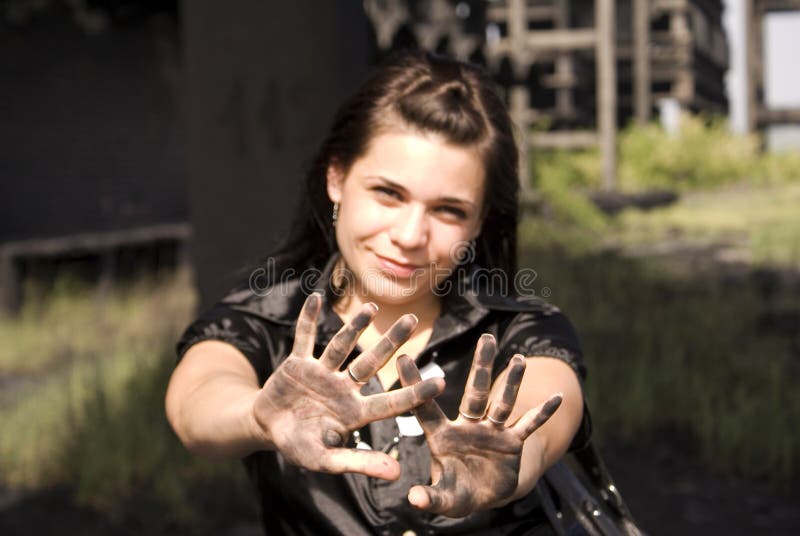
x=397 y=268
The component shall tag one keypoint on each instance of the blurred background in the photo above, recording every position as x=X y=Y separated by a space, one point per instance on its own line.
x=152 y=152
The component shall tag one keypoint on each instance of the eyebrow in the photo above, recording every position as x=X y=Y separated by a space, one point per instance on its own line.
x=404 y=190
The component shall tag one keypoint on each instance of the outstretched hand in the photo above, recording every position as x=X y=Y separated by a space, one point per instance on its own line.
x=475 y=459
x=308 y=407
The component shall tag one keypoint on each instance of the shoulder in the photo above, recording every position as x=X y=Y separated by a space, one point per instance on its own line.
x=533 y=327
x=277 y=304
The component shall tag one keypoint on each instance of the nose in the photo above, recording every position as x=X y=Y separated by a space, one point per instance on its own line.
x=410 y=228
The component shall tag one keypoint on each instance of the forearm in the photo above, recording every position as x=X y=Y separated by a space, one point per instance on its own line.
x=212 y=412
x=543 y=377
x=216 y=420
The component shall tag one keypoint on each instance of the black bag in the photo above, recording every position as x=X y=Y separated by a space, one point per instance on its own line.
x=582 y=499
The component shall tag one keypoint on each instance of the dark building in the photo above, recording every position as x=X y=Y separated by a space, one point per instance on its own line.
x=129 y=127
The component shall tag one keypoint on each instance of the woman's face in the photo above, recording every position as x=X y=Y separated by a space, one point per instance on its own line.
x=405 y=207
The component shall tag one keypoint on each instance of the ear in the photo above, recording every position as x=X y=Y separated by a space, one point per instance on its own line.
x=335 y=182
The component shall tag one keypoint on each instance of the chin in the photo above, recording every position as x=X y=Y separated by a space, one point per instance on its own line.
x=386 y=290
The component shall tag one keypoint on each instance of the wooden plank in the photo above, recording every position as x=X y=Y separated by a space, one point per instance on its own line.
x=641 y=61
x=564 y=66
x=93 y=242
x=670 y=5
x=517 y=27
x=778 y=116
x=569 y=139
x=500 y=13
x=772 y=6
x=606 y=90
x=752 y=59
x=518 y=108
x=561 y=39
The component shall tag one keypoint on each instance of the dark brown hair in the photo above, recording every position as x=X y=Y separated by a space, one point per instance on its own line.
x=426 y=93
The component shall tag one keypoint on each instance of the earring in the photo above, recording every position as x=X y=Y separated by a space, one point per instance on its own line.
x=335 y=215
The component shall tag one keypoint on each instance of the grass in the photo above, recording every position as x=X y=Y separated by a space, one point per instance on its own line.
x=702 y=155
x=682 y=350
x=676 y=336
x=86 y=411
x=763 y=223
x=75 y=322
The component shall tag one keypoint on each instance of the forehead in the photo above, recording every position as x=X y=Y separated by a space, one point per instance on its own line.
x=423 y=162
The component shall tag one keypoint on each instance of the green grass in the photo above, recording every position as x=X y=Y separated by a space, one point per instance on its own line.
x=702 y=155
x=74 y=322
x=763 y=222
x=87 y=411
x=677 y=350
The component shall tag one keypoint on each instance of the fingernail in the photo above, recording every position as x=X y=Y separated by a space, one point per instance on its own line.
x=361 y=321
x=517 y=372
x=552 y=405
x=402 y=362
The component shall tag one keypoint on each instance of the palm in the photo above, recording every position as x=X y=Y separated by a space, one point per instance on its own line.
x=475 y=460
x=474 y=463
x=310 y=407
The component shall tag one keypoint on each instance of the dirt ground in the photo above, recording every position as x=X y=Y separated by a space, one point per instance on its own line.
x=668 y=491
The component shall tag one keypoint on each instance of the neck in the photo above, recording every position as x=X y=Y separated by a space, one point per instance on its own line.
x=427 y=309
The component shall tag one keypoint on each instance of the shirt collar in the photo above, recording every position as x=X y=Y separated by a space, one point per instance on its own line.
x=465 y=304
x=462 y=307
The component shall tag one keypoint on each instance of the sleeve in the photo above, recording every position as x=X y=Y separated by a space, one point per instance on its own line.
x=544 y=334
x=246 y=332
x=549 y=334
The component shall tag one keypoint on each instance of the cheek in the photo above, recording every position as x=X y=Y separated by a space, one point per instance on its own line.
x=362 y=223
x=448 y=244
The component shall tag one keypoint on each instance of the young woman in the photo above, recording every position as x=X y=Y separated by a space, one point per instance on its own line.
x=400 y=266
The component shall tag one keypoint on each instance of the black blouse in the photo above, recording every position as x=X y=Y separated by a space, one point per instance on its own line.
x=297 y=501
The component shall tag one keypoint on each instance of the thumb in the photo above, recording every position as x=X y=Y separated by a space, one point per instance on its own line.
x=429 y=498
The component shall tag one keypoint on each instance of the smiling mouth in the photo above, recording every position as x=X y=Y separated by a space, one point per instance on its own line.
x=400 y=269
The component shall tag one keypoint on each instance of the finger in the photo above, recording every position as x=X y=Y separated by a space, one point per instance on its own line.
x=306 y=331
x=345 y=340
x=366 y=462
x=479 y=383
x=370 y=362
x=504 y=403
x=430 y=498
x=418 y=496
x=429 y=414
x=535 y=417
x=399 y=401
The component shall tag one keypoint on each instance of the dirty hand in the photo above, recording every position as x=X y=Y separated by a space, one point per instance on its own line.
x=475 y=459
x=308 y=407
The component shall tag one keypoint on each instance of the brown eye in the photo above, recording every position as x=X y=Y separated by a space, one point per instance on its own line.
x=386 y=192
x=453 y=212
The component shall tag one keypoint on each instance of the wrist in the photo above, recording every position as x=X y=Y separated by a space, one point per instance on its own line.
x=259 y=436
x=532 y=467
